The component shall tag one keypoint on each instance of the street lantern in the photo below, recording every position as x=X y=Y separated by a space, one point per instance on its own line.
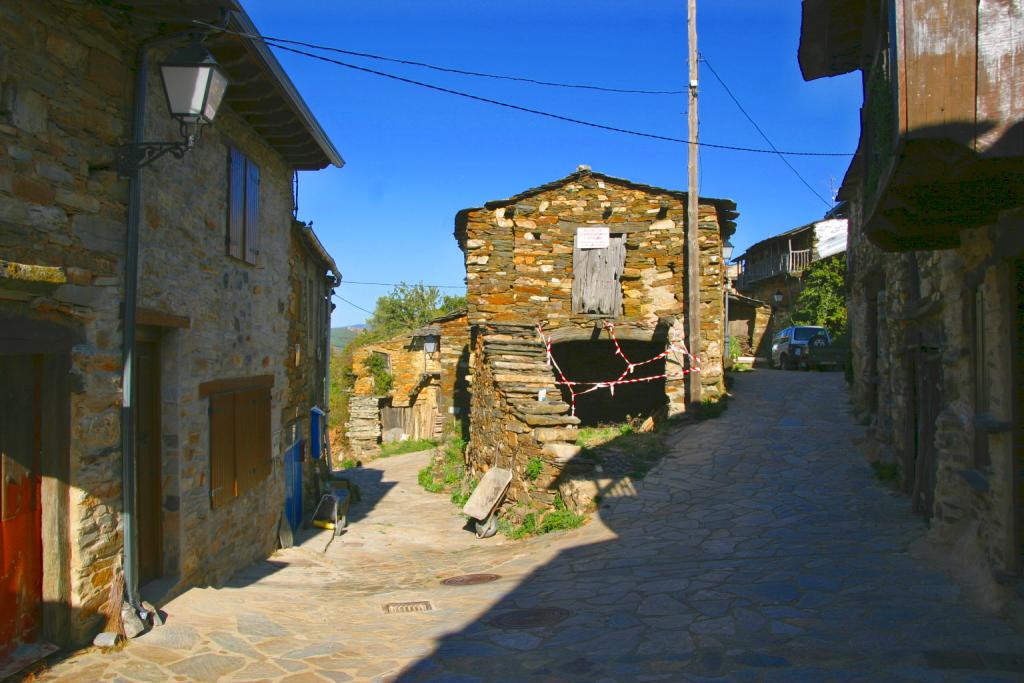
x=727 y=250
x=194 y=84
x=777 y=297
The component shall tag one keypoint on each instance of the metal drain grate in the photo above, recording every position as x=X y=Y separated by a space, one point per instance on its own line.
x=470 y=579
x=405 y=607
x=530 y=618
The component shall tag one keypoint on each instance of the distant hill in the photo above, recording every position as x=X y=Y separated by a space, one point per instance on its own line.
x=341 y=336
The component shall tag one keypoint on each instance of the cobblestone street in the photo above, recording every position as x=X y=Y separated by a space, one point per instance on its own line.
x=761 y=549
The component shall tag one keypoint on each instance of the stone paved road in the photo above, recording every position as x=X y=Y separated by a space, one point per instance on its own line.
x=761 y=549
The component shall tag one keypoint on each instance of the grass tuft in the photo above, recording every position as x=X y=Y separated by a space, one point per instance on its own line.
x=886 y=471
x=537 y=523
x=410 y=446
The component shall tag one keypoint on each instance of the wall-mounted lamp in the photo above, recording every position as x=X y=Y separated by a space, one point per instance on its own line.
x=777 y=297
x=194 y=85
x=727 y=251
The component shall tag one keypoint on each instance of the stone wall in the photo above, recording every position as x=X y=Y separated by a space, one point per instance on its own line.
x=455 y=363
x=906 y=308
x=65 y=96
x=519 y=256
x=363 y=428
x=509 y=425
x=519 y=273
x=63 y=104
x=429 y=383
x=408 y=365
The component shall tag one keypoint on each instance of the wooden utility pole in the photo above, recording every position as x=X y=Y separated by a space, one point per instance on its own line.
x=692 y=210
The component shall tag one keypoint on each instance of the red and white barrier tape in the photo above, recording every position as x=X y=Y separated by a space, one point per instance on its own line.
x=610 y=385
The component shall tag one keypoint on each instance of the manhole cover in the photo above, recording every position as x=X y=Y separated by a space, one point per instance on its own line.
x=404 y=607
x=530 y=618
x=470 y=579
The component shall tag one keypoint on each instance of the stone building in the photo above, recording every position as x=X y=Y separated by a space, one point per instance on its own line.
x=231 y=319
x=428 y=370
x=936 y=256
x=749 y=321
x=574 y=263
x=773 y=269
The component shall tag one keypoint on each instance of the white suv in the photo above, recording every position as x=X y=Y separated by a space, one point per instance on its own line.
x=790 y=345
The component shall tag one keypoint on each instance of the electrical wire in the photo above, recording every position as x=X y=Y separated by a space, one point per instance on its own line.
x=559 y=117
x=352 y=304
x=396 y=284
x=763 y=134
x=446 y=69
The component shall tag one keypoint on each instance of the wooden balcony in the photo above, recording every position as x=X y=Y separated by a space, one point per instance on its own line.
x=787 y=263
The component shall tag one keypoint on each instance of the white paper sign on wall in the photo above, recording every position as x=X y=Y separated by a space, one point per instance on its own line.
x=592 y=238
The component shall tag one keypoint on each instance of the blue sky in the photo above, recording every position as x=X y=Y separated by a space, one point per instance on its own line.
x=415 y=157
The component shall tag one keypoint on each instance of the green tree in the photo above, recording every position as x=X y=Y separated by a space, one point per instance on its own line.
x=407 y=307
x=823 y=299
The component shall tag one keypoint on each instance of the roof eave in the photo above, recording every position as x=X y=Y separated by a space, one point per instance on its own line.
x=240 y=21
x=830 y=37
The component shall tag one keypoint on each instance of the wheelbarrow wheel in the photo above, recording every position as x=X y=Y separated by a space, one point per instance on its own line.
x=488 y=527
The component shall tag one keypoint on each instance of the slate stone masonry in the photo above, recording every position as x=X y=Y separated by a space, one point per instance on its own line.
x=519 y=274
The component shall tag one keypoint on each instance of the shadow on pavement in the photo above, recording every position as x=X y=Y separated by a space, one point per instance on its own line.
x=761 y=548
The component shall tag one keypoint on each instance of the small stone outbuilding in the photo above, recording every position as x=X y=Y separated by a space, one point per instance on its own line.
x=592 y=268
x=428 y=369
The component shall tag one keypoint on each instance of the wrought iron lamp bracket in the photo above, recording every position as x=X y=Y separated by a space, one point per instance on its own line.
x=134 y=156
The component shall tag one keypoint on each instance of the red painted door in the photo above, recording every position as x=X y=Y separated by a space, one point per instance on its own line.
x=21 y=558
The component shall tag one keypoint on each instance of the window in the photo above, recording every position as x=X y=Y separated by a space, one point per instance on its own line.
x=243 y=237
x=597 y=273
x=239 y=436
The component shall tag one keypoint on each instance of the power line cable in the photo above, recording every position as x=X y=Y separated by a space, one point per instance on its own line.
x=396 y=284
x=538 y=112
x=763 y=134
x=452 y=70
x=352 y=304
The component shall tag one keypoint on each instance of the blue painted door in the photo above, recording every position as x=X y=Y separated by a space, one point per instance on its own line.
x=293 y=484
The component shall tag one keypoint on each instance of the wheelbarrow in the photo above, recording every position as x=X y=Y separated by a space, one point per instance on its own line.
x=486 y=497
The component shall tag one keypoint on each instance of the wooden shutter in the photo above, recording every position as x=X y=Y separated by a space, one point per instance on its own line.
x=245 y=442
x=252 y=437
x=597 y=273
x=236 y=202
x=252 y=211
x=222 y=449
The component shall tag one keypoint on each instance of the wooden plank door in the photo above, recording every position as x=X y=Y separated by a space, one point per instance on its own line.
x=928 y=395
x=149 y=472
x=596 y=278
x=1018 y=410
x=21 y=556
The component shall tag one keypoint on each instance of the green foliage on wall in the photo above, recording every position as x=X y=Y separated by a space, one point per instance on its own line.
x=377 y=365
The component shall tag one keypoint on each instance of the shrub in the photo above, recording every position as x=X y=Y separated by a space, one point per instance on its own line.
x=447 y=470
x=711 y=408
x=735 y=348
x=377 y=365
x=533 y=468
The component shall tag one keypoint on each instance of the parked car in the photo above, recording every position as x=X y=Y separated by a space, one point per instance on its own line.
x=792 y=346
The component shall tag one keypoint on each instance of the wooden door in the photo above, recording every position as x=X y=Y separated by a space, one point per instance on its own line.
x=1018 y=409
x=149 y=471
x=596 y=278
x=927 y=402
x=21 y=557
